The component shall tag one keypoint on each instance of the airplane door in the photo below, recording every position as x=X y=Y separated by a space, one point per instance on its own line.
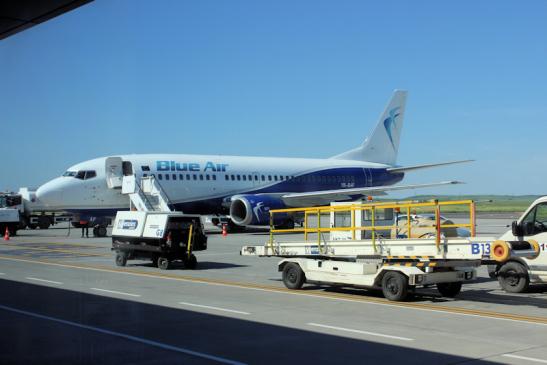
x=114 y=172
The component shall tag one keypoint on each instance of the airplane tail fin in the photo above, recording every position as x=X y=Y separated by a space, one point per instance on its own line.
x=382 y=146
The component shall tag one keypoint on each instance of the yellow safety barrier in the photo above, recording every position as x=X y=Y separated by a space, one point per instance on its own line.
x=372 y=207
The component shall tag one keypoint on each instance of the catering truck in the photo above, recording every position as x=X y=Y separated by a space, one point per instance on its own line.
x=517 y=273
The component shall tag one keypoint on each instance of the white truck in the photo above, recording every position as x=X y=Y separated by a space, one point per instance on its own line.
x=517 y=273
x=366 y=250
x=10 y=207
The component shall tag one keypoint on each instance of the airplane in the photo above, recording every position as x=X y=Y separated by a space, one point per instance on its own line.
x=245 y=188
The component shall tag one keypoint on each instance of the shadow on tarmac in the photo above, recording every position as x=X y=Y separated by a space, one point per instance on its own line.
x=28 y=340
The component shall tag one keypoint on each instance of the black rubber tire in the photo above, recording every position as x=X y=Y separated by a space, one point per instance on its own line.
x=293 y=276
x=163 y=263
x=32 y=226
x=513 y=277
x=191 y=263
x=101 y=231
x=44 y=222
x=395 y=286
x=155 y=261
x=449 y=290
x=121 y=259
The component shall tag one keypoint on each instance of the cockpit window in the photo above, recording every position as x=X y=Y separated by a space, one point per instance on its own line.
x=82 y=174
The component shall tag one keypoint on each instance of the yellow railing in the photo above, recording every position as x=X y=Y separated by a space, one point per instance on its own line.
x=398 y=207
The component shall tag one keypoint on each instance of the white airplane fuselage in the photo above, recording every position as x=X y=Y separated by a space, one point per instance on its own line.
x=200 y=184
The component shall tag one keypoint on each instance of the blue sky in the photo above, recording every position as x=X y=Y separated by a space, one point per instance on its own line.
x=281 y=78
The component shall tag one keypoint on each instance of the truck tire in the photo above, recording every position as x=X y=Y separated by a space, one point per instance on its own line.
x=513 y=277
x=44 y=222
x=293 y=276
x=99 y=231
x=121 y=259
x=395 y=286
x=163 y=263
x=23 y=223
x=449 y=290
x=32 y=226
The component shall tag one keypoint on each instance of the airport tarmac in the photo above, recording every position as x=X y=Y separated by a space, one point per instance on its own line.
x=64 y=301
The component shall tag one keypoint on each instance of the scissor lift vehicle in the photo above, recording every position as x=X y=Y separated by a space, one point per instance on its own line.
x=162 y=237
x=372 y=255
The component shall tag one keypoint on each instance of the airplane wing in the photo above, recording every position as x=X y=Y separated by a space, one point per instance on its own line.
x=424 y=166
x=327 y=196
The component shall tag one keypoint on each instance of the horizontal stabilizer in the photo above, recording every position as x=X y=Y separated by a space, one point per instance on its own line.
x=327 y=196
x=425 y=166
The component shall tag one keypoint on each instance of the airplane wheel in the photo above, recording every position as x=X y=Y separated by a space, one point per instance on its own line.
x=101 y=231
x=121 y=259
x=163 y=263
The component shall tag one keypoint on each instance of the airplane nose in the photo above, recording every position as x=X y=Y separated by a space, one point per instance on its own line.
x=50 y=193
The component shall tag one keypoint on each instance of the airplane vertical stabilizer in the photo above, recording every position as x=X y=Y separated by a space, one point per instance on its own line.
x=382 y=146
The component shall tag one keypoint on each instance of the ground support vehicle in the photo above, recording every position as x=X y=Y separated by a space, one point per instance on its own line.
x=517 y=273
x=369 y=259
x=162 y=237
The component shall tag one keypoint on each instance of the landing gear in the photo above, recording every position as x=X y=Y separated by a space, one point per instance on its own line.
x=99 y=231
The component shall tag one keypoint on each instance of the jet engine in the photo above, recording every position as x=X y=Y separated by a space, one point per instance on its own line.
x=248 y=210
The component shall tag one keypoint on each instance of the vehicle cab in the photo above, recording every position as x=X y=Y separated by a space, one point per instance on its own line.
x=516 y=274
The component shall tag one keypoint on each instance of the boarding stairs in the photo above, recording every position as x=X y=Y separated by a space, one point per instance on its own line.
x=145 y=194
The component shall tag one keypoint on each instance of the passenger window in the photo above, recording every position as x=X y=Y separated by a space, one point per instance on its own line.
x=275 y=177
x=238 y=177
x=207 y=177
x=145 y=168
x=90 y=174
x=256 y=177
x=174 y=176
x=200 y=176
x=269 y=177
x=166 y=176
x=263 y=178
x=144 y=175
x=244 y=177
x=214 y=177
x=160 y=176
x=181 y=177
x=227 y=177
x=281 y=177
x=195 y=176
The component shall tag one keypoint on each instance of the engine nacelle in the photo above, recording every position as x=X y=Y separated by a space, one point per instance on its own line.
x=248 y=210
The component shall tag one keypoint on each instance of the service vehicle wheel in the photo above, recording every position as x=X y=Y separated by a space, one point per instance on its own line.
x=32 y=226
x=395 y=286
x=163 y=263
x=121 y=259
x=43 y=223
x=513 y=277
x=155 y=261
x=449 y=290
x=293 y=276
x=191 y=263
